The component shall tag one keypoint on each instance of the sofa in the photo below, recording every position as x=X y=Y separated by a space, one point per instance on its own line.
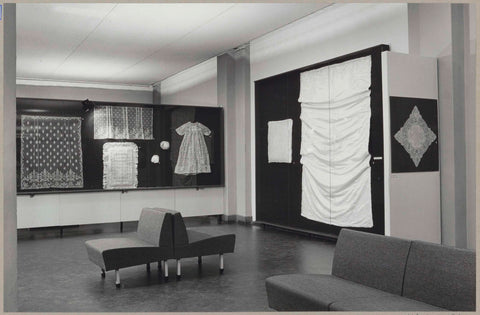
x=153 y=242
x=192 y=243
x=161 y=235
x=380 y=273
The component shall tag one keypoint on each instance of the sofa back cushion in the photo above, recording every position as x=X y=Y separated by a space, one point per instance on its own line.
x=178 y=228
x=440 y=275
x=373 y=260
x=155 y=227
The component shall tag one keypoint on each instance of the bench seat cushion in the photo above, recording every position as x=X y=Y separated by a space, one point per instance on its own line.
x=391 y=303
x=314 y=292
x=202 y=244
x=116 y=253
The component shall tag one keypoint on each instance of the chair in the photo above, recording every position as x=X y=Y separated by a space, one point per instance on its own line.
x=153 y=242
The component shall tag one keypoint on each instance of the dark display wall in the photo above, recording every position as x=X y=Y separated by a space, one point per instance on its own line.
x=166 y=118
x=279 y=185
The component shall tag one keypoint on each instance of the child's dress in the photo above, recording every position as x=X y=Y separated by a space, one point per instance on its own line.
x=193 y=155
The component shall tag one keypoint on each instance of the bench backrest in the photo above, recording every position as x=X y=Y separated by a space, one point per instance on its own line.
x=179 y=230
x=440 y=275
x=155 y=227
x=373 y=260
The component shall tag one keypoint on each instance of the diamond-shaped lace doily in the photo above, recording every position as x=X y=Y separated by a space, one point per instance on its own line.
x=415 y=136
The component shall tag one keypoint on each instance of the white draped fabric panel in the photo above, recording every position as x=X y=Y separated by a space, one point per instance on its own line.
x=334 y=147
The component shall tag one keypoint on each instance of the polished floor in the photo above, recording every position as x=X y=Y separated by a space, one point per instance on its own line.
x=54 y=274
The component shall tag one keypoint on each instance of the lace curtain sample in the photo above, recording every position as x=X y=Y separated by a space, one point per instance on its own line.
x=415 y=136
x=335 y=115
x=280 y=141
x=51 y=152
x=193 y=155
x=120 y=162
x=121 y=122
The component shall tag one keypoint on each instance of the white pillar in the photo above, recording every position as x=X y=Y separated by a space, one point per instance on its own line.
x=8 y=199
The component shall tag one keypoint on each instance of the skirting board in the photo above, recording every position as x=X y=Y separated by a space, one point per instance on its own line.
x=237 y=218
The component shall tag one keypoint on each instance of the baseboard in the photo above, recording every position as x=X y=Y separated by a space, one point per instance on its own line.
x=237 y=218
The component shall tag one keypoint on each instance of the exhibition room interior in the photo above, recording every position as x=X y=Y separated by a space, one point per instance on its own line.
x=239 y=157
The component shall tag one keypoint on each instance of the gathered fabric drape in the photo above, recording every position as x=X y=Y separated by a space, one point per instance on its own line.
x=120 y=165
x=122 y=122
x=51 y=152
x=335 y=116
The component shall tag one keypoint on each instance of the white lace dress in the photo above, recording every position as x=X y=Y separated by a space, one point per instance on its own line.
x=193 y=155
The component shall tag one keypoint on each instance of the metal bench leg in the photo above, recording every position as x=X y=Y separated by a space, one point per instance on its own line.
x=103 y=273
x=166 y=270
x=179 y=271
x=221 y=263
x=148 y=267
x=117 y=278
x=200 y=260
x=160 y=266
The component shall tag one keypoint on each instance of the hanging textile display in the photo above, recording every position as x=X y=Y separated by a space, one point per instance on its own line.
x=51 y=152
x=121 y=122
x=280 y=141
x=120 y=161
x=414 y=130
x=335 y=115
x=193 y=155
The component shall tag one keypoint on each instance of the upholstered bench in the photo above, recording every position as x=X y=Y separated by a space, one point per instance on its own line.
x=192 y=243
x=153 y=242
x=379 y=273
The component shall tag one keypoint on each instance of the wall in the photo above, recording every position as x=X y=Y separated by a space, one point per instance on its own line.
x=242 y=132
x=195 y=86
x=337 y=30
x=430 y=35
x=89 y=208
x=79 y=93
x=413 y=208
x=7 y=157
x=470 y=124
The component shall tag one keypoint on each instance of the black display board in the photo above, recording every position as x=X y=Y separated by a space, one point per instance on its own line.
x=401 y=109
x=279 y=185
x=166 y=118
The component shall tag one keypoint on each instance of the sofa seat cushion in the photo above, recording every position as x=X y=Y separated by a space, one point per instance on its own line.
x=314 y=292
x=115 y=253
x=202 y=244
x=391 y=303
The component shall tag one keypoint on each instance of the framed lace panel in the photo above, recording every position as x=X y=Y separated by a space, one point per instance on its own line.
x=51 y=152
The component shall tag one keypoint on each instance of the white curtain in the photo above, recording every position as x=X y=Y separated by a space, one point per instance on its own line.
x=334 y=147
x=121 y=122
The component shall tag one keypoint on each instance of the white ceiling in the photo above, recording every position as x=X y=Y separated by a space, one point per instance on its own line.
x=137 y=44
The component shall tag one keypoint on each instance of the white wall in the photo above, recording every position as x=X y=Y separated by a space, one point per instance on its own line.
x=337 y=30
x=412 y=206
x=430 y=32
x=334 y=31
x=195 y=86
x=7 y=157
x=80 y=93
x=98 y=207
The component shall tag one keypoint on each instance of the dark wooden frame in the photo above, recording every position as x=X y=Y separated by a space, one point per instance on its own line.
x=151 y=176
x=278 y=185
